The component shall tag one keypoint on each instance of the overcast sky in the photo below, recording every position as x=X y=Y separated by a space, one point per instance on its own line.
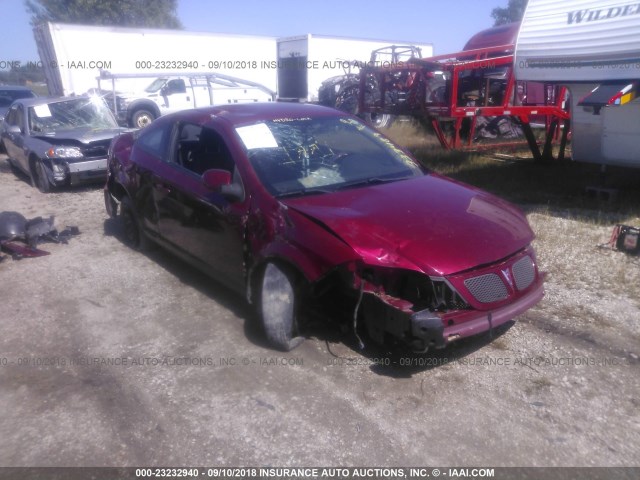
x=447 y=24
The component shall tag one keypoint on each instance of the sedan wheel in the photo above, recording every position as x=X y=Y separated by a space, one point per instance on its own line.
x=41 y=180
x=132 y=234
x=279 y=306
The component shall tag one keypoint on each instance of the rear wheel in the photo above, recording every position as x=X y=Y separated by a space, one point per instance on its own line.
x=280 y=306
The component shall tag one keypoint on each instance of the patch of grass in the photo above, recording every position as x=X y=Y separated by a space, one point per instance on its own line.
x=518 y=178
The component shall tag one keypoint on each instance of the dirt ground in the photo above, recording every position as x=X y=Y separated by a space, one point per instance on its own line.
x=109 y=357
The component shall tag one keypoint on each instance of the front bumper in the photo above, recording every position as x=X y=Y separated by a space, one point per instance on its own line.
x=88 y=171
x=427 y=329
x=75 y=173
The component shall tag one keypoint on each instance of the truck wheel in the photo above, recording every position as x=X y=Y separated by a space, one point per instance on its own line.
x=39 y=177
x=347 y=100
x=279 y=306
x=141 y=118
x=380 y=120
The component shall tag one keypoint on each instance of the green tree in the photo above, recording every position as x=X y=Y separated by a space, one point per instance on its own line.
x=513 y=12
x=125 y=13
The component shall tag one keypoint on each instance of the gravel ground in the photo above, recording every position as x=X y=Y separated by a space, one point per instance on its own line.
x=109 y=357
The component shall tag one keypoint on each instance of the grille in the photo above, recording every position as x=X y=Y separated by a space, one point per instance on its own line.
x=523 y=272
x=487 y=288
x=96 y=149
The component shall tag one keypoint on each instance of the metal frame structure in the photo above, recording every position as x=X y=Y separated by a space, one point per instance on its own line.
x=451 y=92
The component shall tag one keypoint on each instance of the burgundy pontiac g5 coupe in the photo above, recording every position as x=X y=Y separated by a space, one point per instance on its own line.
x=300 y=206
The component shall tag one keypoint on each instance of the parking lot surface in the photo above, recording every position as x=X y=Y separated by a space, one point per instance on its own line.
x=110 y=357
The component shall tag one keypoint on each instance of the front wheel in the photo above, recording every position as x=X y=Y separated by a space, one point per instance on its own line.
x=141 y=118
x=279 y=307
x=132 y=232
x=40 y=178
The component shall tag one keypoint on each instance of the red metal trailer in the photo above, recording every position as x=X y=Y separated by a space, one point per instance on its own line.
x=465 y=93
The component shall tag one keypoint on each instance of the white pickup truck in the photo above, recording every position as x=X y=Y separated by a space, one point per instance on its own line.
x=173 y=92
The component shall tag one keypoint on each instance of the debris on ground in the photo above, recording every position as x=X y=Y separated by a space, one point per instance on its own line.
x=20 y=237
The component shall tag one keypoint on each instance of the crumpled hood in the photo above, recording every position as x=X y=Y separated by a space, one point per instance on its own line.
x=81 y=135
x=430 y=223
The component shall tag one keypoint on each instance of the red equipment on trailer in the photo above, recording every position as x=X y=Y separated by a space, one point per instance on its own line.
x=466 y=94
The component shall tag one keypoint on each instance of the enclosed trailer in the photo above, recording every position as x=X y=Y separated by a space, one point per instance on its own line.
x=592 y=48
x=74 y=55
x=305 y=61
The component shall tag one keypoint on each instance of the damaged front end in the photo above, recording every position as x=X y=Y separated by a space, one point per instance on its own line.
x=424 y=312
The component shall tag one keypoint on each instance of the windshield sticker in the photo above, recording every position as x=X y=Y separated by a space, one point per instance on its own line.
x=405 y=158
x=283 y=120
x=257 y=136
x=355 y=123
x=42 y=111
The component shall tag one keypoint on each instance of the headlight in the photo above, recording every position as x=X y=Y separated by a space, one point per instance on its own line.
x=64 y=152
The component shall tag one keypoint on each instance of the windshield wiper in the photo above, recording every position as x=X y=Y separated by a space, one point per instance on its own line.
x=371 y=181
x=302 y=192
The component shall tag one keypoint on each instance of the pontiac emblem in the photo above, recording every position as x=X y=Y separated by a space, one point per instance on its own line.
x=507 y=276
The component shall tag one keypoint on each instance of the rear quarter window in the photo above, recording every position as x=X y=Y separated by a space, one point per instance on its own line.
x=155 y=141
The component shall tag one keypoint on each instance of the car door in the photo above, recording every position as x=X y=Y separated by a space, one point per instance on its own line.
x=199 y=222
x=14 y=141
x=148 y=156
x=177 y=95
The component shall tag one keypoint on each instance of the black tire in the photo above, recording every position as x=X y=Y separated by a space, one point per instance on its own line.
x=380 y=120
x=141 y=118
x=279 y=307
x=347 y=100
x=132 y=233
x=39 y=177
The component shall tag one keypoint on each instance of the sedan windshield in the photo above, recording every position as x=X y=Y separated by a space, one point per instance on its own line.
x=316 y=155
x=155 y=85
x=69 y=114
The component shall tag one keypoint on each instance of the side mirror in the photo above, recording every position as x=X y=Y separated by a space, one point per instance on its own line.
x=220 y=181
x=14 y=129
x=215 y=178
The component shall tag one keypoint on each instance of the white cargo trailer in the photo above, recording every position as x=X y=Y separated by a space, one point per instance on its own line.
x=593 y=48
x=74 y=55
x=305 y=61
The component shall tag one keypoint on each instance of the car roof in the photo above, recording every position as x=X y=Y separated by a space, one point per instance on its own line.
x=34 y=102
x=245 y=113
x=15 y=88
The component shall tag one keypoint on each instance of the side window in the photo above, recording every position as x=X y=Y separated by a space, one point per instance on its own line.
x=176 y=86
x=199 y=149
x=156 y=141
x=19 y=116
x=11 y=116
